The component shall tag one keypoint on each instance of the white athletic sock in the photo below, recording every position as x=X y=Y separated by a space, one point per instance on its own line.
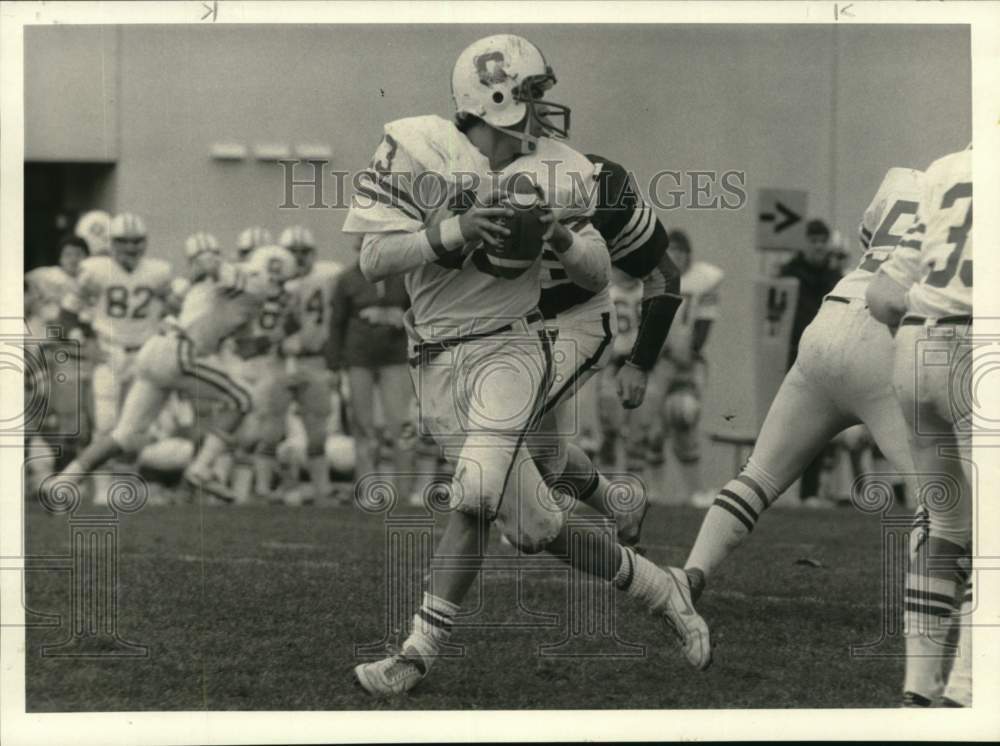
x=641 y=579
x=959 y=687
x=432 y=626
x=732 y=517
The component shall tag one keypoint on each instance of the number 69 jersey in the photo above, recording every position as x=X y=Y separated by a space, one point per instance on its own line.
x=126 y=306
x=891 y=213
x=935 y=255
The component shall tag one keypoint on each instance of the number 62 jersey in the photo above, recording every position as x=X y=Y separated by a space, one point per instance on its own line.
x=934 y=259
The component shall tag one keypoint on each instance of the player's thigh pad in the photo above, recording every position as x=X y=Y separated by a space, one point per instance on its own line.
x=581 y=348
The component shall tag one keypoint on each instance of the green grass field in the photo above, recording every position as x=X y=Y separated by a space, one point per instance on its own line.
x=261 y=609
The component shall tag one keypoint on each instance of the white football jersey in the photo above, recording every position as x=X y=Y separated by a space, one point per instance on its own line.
x=460 y=293
x=700 y=300
x=934 y=259
x=125 y=306
x=50 y=285
x=314 y=292
x=891 y=213
x=628 y=307
x=214 y=309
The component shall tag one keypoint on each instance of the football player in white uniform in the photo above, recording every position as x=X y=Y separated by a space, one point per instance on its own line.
x=681 y=374
x=924 y=293
x=257 y=362
x=176 y=358
x=841 y=377
x=481 y=360
x=123 y=296
x=311 y=380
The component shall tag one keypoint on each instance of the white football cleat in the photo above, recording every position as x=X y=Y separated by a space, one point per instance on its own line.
x=396 y=674
x=679 y=613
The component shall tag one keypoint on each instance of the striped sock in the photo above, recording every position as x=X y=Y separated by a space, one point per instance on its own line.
x=729 y=521
x=640 y=579
x=930 y=610
x=432 y=625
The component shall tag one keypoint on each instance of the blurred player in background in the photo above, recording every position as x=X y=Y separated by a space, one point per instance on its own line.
x=122 y=296
x=473 y=315
x=249 y=239
x=924 y=293
x=175 y=358
x=94 y=227
x=368 y=342
x=259 y=365
x=841 y=377
x=311 y=381
x=50 y=285
x=676 y=398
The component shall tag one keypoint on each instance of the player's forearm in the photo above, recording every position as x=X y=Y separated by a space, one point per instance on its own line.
x=386 y=254
x=585 y=259
x=660 y=300
x=886 y=300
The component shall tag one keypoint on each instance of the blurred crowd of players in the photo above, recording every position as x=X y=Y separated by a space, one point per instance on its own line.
x=333 y=349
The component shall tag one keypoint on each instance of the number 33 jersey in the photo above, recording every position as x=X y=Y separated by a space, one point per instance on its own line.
x=934 y=259
x=890 y=215
x=126 y=306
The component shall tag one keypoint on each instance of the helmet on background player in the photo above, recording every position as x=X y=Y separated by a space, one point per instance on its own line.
x=128 y=239
x=203 y=253
x=276 y=263
x=299 y=240
x=502 y=80
x=249 y=239
x=94 y=227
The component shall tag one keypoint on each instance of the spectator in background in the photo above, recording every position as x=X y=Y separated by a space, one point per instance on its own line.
x=811 y=268
x=367 y=342
x=815 y=270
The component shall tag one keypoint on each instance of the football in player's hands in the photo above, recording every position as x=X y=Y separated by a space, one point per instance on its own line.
x=518 y=250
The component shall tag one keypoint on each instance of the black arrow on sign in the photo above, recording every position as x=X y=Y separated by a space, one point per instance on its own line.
x=789 y=217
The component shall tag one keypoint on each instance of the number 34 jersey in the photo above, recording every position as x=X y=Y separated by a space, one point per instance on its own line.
x=126 y=306
x=891 y=213
x=934 y=259
x=313 y=293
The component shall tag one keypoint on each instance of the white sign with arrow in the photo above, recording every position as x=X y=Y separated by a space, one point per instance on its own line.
x=781 y=219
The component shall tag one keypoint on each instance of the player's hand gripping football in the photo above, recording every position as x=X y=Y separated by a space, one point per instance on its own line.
x=631 y=382
x=557 y=235
x=481 y=222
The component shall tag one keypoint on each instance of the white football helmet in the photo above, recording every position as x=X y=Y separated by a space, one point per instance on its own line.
x=250 y=239
x=501 y=79
x=128 y=239
x=94 y=227
x=200 y=242
x=276 y=263
x=299 y=240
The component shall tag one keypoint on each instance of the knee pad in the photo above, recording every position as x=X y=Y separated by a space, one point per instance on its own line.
x=532 y=530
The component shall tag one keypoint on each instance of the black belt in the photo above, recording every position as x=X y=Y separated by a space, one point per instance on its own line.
x=921 y=320
x=427 y=351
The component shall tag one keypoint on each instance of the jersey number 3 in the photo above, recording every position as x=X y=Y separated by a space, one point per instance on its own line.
x=957 y=235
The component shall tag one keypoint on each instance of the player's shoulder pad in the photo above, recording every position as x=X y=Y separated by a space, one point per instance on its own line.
x=702 y=278
x=950 y=168
x=898 y=183
x=567 y=178
x=614 y=183
x=430 y=141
